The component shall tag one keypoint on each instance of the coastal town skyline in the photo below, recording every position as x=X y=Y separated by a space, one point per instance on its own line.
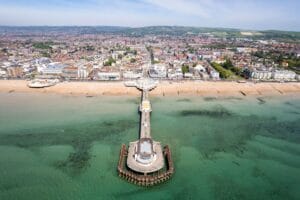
x=251 y=15
x=169 y=53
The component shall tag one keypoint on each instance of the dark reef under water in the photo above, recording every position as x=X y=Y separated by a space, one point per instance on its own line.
x=79 y=136
x=232 y=131
x=217 y=112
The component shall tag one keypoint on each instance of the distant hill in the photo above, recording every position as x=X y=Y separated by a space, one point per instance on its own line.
x=151 y=30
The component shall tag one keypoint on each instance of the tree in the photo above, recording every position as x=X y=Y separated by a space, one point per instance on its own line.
x=185 y=69
x=42 y=45
x=228 y=64
x=45 y=54
x=224 y=73
x=109 y=62
x=259 y=54
x=120 y=56
x=90 y=48
x=246 y=73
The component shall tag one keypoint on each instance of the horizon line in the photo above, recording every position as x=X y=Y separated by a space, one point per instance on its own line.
x=136 y=27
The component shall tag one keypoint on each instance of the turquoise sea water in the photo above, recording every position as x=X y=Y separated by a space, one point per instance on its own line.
x=63 y=147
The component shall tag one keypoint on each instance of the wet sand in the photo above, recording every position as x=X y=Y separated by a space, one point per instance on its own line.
x=165 y=88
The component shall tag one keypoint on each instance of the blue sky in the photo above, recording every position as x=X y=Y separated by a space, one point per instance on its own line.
x=245 y=14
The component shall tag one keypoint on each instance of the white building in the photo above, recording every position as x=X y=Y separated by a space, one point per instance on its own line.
x=261 y=75
x=175 y=74
x=54 y=68
x=42 y=60
x=82 y=72
x=7 y=64
x=243 y=50
x=214 y=75
x=132 y=75
x=279 y=75
x=283 y=75
x=3 y=73
x=109 y=76
x=158 y=71
x=199 y=68
x=188 y=75
x=216 y=53
x=207 y=57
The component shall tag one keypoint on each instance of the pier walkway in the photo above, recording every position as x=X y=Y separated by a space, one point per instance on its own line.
x=145 y=109
x=147 y=163
x=145 y=155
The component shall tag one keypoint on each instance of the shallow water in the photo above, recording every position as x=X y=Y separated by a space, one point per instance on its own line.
x=63 y=147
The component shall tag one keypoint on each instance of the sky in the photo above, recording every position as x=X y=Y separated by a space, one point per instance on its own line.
x=244 y=14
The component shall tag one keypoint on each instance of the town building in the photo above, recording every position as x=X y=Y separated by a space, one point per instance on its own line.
x=54 y=68
x=84 y=71
x=15 y=71
x=132 y=74
x=108 y=76
x=70 y=72
x=283 y=75
x=188 y=75
x=214 y=75
x=175 y=73
x=278 y=75
x=158 y=71
x=3 y=73
x=261 y=75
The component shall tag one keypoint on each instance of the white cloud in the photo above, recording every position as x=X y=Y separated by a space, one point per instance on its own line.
x=188 y=7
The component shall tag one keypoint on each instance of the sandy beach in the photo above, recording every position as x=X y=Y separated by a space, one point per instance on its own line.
x=164 y=88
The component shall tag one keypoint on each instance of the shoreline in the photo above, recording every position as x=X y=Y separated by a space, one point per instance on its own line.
x=165 y=88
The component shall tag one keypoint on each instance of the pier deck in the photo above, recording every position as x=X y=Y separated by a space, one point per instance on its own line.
x=145 y=155
x=145 y=162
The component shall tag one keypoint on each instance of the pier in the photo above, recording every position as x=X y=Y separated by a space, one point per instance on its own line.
x=145 y=162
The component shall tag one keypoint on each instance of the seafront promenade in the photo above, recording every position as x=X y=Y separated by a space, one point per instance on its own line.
x=166 y=88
